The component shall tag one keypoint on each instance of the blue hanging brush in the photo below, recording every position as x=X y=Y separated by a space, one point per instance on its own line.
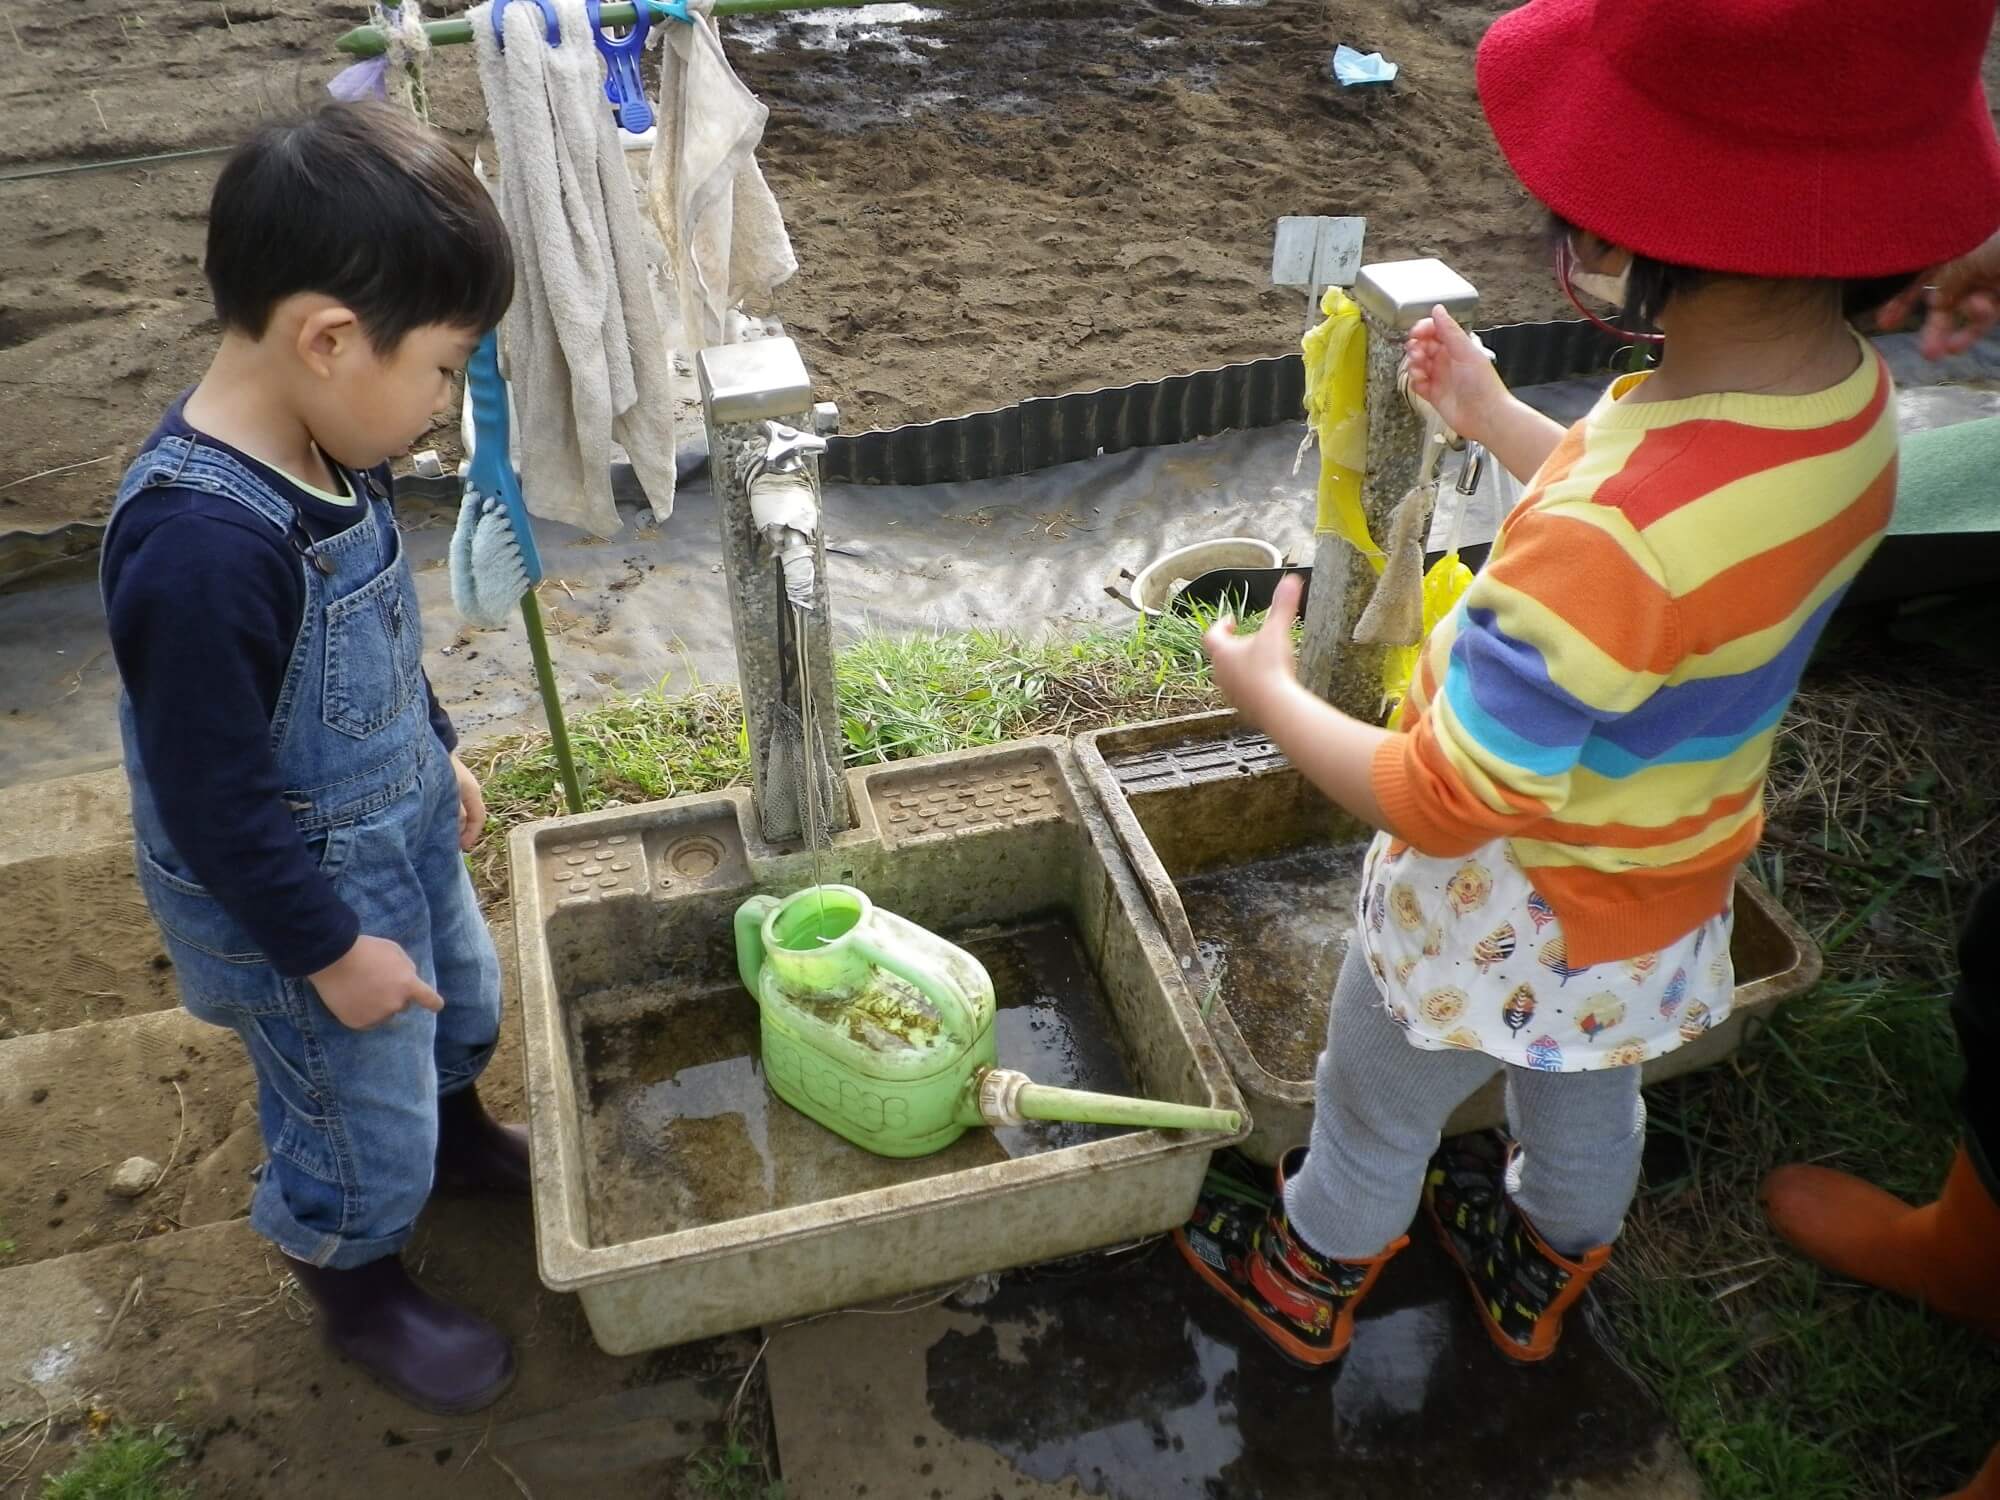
x=494 y=563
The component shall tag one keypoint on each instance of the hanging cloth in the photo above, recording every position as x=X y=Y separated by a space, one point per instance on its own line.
x=582 y=344
x=719 y=220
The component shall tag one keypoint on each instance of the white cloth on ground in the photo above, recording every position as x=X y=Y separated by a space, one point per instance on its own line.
x=582 y=345
x=724 y=234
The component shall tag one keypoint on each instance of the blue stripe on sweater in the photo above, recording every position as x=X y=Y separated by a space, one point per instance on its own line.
x=1502 y=693
x=1510 y=681
x=1498 y=739
x=1605 y=759
x=1727 y=709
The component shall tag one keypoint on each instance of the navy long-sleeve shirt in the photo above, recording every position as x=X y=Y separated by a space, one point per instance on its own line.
x=205 y=600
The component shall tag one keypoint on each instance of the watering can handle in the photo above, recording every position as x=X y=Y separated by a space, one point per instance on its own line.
x=750 y=940
x=954 y=1014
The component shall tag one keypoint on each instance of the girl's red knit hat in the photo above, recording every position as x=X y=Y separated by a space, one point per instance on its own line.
x=1836 y=138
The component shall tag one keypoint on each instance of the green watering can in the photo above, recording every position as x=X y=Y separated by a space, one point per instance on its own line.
x=883 y=1032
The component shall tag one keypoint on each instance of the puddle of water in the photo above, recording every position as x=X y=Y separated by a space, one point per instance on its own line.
x=1137 y=1381
x=681 y=1129
x=1278 y=927
x=838 y=30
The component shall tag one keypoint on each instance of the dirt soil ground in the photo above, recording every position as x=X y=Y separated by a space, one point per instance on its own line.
x=988 y=201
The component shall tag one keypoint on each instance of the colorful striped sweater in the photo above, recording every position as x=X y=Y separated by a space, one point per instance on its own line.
x=1606 y=695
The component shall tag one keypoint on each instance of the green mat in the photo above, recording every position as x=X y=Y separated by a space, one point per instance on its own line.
x=1949 y=481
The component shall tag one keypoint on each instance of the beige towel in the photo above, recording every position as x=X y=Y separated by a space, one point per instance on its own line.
x=724 y=234
x=584 y=350
x=1395 y=612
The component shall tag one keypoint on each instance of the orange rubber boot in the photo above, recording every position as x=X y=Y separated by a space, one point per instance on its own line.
x=1986 y=1485
x=1945 y=1255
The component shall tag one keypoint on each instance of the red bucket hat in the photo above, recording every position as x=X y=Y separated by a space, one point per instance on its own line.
x=1836 y=138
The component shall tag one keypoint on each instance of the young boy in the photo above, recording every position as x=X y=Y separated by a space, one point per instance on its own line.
x=298 y=808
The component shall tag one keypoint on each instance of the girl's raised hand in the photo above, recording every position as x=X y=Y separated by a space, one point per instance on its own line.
x=1450 y=370
x=1251 y=670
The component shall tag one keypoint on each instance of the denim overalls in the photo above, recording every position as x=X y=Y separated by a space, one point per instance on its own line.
x=349 y=1118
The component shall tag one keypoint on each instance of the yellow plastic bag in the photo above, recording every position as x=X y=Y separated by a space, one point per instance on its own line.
x=1336 y=358
x=1444 y=585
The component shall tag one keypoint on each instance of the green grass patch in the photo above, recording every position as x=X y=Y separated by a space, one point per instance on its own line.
x=737 y=1468
x=900 y=696
x=124 y=1464
x=1785 y=1383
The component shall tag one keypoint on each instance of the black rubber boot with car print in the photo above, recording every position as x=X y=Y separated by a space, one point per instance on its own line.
x=1240 y=1243
x=1521 y=1286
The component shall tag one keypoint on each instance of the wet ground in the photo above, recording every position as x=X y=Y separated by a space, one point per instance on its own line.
x=1275 y=930
x=682 y=1129
x=1126 y=1378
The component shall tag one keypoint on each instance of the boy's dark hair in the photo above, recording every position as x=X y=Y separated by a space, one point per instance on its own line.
x=1652 y=284
x=367 y=205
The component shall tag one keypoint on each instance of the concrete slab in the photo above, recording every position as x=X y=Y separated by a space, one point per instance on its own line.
x=1125 y=1378
x=201 y=1328
x=76 y=941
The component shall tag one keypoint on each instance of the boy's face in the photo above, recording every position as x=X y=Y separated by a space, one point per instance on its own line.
x=367 y=407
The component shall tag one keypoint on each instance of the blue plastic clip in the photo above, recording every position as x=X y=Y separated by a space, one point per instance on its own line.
x=492 y=469
x=669 y=10
x=548 y=11
x=622 y=84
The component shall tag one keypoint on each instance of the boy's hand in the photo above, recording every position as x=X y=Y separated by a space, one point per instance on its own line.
x=1252 y=670
x=1450 y=370
x=374 y=981
x=471 y=806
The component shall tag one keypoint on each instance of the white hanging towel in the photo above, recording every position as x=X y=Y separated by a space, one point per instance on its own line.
x=584 y=351
x=720 y=222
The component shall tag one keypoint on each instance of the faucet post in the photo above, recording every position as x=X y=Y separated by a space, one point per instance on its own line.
x=1393 y=296
x=758 y=404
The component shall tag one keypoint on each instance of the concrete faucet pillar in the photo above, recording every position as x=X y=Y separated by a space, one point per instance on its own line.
x=747 y=390
x=1393 y=298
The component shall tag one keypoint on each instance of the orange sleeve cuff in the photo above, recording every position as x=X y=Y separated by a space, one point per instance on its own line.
x=1411 y=805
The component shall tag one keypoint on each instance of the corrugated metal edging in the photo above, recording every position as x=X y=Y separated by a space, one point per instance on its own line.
x=1048 y=430
x=1044 y=431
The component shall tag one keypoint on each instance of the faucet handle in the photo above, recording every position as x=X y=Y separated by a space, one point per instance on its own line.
x=786 y=448
x=1436 y=429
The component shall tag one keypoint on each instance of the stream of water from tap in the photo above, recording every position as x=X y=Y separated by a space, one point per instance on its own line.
x=810 y=750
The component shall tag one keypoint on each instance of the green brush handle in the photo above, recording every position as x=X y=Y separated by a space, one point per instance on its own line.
x=545 y=679
x=368 y=41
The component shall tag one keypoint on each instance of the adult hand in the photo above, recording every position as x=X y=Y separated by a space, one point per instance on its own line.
x=1963 y=298
x=374 y=981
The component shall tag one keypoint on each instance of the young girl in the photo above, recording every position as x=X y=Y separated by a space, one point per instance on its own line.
x=1579 y=768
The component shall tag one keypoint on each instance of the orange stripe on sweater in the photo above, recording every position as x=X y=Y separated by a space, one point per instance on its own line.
x=1654 y=482
x=1596 y=586
x=1768 y=589
x=1562 y=458
x=1632 y=836
x=1426 y=802
x=1611 y=917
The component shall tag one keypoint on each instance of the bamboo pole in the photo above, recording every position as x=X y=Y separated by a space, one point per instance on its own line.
x=368 y=41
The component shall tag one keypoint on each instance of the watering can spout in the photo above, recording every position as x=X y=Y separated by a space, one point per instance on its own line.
x=1001 y=1096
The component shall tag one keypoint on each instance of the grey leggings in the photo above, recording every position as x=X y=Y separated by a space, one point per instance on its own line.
x=1382 y=1103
